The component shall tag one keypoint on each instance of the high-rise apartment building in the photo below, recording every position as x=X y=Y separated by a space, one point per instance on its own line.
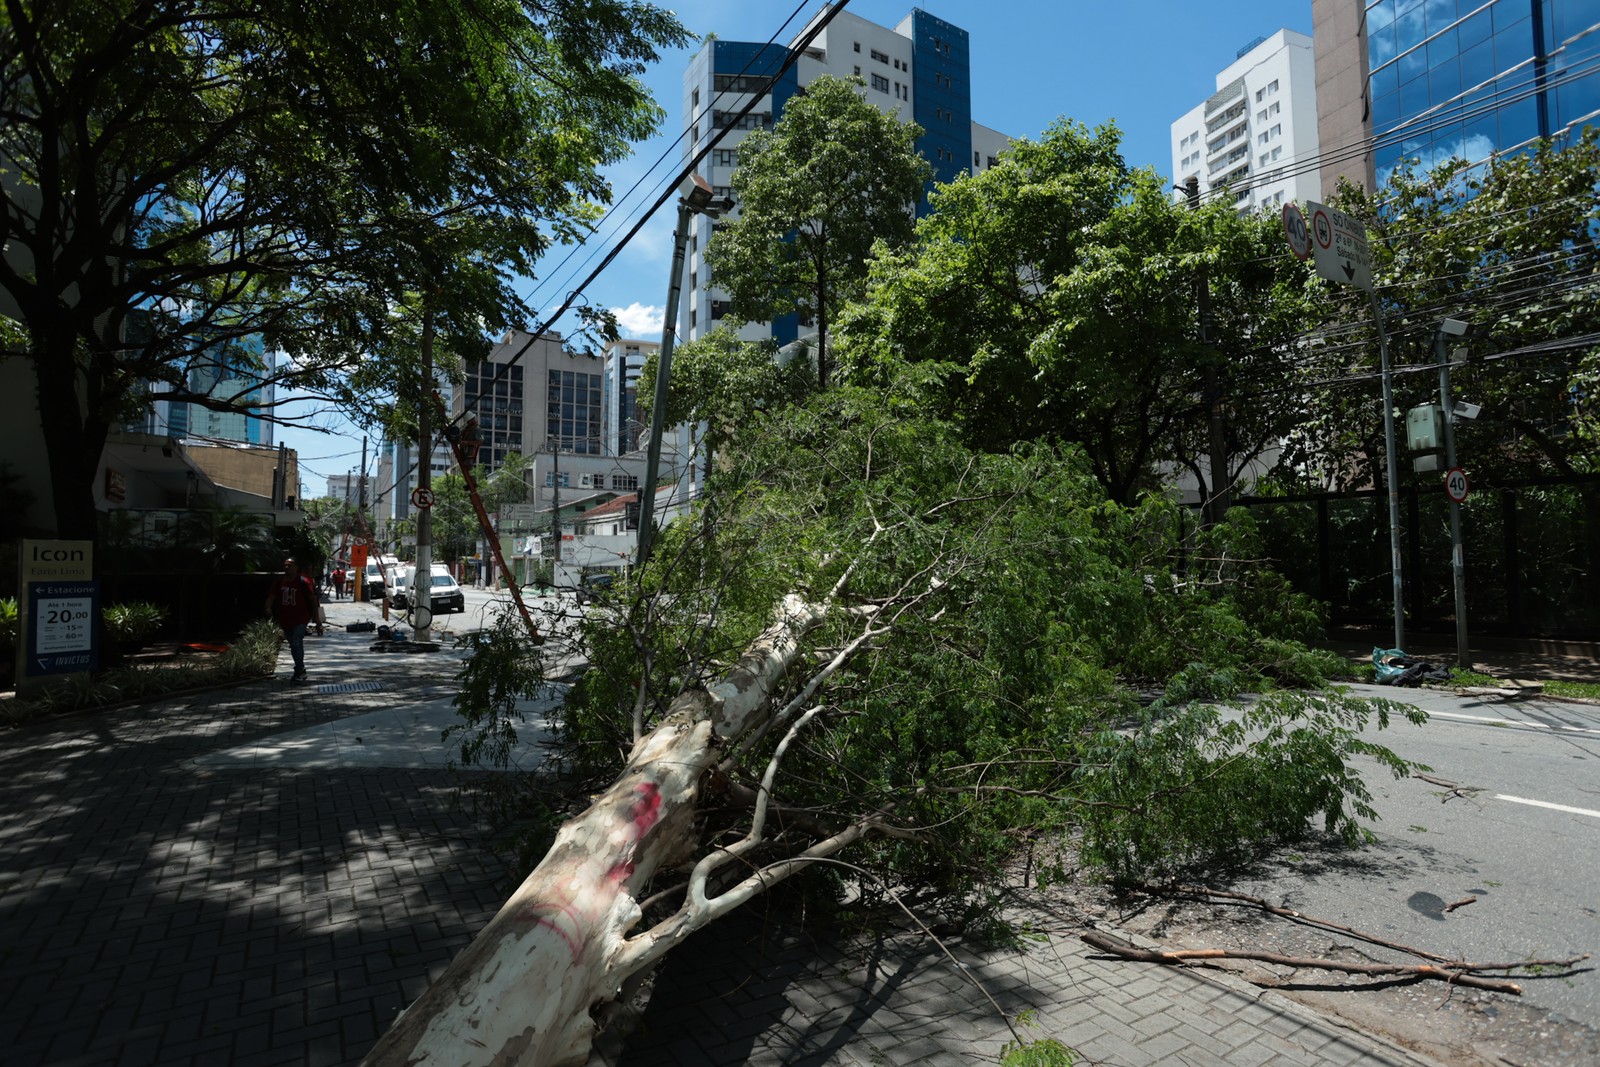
x=1433 y=80
x=621 y=429
x=546 y=406
x=918 y=69
x=1256 y=136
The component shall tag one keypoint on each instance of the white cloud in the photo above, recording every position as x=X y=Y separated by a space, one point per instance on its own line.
x=640 y=321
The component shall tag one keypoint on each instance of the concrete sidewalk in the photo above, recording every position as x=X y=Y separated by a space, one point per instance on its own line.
x=267 y=874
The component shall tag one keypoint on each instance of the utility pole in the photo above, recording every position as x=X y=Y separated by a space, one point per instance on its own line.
x=422 y=577
x=696 y=199
x=1458 y=562
x=1391 y=473
x=1218 y=498
x=555 y=508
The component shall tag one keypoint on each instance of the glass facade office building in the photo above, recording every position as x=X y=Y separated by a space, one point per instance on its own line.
x=1467 y=78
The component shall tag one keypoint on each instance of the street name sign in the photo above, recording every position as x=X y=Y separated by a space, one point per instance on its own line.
x=1339 y=243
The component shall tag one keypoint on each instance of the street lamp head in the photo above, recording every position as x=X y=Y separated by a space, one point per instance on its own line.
x=700 y=198
x=697 y=192
x=1455 y=328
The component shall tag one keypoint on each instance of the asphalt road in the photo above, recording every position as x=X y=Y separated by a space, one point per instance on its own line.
x=1521 y=835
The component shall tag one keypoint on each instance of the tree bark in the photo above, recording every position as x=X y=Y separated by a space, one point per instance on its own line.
x=521 y=993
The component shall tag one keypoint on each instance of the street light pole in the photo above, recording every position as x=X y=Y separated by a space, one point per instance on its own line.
x=1458 y=562
x=1391 y=473
x=696 y=200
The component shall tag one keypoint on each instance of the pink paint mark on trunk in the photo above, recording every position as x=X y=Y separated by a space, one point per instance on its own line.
x=550 y=916
x=646 y=811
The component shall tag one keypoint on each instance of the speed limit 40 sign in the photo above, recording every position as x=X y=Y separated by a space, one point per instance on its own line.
x=1456 y=486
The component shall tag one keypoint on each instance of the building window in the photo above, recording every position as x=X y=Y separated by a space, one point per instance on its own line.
x=1261 y=94
x=694 y=134
x=566 y=479
x=1262 y=139
x=722 y=192
x=719 y=308
x=755 y=120
x=742 y=83
x=880 y=83
x=694 y=101
x=725 y=157
x=976 y=158
x=880 y=56
x=1276 y=130
x=1272 y=86
x=991 y=161
x=572 y=409
x=858 y=46
x=1277 y=152
x=1273 y=110
x=858 y=71
x=625 y=482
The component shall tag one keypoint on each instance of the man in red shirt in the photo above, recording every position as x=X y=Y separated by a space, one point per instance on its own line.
x=293 y=598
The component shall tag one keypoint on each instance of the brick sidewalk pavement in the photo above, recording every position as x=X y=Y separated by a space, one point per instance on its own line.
x=155 y=913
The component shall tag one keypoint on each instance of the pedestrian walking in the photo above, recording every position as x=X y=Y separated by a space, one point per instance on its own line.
x=293 y=599
x=338 y=583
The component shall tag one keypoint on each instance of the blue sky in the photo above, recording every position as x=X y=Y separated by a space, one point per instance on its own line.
x=1139 y=63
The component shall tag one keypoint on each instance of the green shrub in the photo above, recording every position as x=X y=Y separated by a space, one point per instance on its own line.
x=253 y=654
x=8 y=625
x=133 y=623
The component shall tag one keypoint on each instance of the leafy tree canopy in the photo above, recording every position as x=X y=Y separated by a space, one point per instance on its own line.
x=1053 y=297
x=184 y=175
x=1508 y=246
x=835 y=176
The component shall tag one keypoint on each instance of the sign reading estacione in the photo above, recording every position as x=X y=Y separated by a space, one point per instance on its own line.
x=62 y=606
x=1339 y=243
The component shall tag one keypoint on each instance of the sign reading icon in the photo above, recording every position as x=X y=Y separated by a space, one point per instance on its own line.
x=62 y=605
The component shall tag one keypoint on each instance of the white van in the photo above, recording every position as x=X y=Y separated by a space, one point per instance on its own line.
x=400 y=587
x=375 y=577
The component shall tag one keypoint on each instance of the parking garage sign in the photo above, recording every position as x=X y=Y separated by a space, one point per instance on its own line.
x=63 y=603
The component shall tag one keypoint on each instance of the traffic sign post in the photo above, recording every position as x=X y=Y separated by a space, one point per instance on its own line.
x=1339 y=242
x=1456 y=486
x=422 y=499
x=1294 y=228
x=1339 y=245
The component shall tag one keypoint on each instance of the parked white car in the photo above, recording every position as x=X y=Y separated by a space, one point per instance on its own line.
x=446 y=593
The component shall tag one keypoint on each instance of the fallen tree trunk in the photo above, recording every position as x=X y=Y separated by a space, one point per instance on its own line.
x=522 y=991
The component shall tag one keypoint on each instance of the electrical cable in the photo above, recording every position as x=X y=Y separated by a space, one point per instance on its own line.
x=794 y=51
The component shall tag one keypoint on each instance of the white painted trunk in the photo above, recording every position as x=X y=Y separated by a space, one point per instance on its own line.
x=521 y=993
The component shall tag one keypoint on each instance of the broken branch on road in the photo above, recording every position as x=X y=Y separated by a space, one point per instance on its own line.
x=1453 y=973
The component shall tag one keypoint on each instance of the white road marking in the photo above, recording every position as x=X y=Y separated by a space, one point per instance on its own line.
x=1513 y=722
x=1547 y=804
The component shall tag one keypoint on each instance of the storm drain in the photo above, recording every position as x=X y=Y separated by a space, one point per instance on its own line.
x=350 y=687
